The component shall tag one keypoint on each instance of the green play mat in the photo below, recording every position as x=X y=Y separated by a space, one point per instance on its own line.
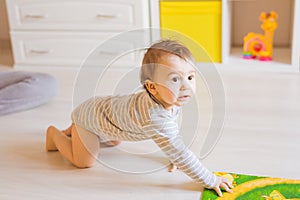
x=257 y=188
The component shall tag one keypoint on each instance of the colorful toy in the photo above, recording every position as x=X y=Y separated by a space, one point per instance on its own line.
x=258 y=45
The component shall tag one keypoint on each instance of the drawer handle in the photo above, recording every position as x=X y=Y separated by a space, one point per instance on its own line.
x=38 y=51
x=35 y=16
x=105 y=16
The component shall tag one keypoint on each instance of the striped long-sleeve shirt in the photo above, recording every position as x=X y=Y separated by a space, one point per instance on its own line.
x=138 y=117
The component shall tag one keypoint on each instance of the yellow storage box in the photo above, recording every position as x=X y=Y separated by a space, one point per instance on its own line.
x=199 y=22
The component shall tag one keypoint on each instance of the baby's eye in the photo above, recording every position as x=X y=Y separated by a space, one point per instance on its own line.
x=175 y=79
x=191 y=77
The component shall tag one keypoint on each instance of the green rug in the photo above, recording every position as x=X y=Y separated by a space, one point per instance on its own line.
x=257 y=188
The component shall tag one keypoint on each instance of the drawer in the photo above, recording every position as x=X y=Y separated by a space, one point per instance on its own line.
x=78 y=14
x=69 y=49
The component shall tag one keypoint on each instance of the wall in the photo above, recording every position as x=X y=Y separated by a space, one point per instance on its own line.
x=245 y=16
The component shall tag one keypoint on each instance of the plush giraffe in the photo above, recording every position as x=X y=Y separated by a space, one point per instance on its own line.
x=258 y=45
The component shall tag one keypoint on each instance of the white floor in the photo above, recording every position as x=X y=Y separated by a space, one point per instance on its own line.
x=261 y=136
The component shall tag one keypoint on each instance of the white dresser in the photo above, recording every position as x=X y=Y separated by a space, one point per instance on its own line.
x=64 y=32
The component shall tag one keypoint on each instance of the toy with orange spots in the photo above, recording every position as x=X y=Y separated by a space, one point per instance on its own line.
x=261 y=45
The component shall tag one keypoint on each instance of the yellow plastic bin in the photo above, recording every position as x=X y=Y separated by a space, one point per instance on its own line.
x=199 y=20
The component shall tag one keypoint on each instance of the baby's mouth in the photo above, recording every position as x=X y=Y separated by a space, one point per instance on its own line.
x=184 y=97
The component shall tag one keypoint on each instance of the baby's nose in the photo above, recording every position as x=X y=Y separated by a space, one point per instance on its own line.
x=185 y=85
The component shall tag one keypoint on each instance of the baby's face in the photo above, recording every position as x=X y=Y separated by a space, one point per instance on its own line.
x=175 y=81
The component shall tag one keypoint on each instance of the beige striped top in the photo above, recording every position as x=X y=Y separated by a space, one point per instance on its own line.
x=138 y=117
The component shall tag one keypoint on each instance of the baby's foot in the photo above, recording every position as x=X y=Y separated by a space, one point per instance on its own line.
x=50 y=145
x=111 y=143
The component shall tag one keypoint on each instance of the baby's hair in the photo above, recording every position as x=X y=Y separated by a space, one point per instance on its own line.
x=155 y=52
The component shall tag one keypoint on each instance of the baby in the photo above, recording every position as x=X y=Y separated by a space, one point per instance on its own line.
x=168 y=77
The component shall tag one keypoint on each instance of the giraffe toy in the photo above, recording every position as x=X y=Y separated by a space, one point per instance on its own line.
x=258 y=45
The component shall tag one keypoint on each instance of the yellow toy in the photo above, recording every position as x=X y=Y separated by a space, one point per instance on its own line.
x=276 y=195
x=258 y=45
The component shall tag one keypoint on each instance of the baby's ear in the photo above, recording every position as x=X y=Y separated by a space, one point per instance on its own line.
x=151 y=87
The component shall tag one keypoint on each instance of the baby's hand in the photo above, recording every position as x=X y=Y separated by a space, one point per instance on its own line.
x=223 y=183
x=172 y=168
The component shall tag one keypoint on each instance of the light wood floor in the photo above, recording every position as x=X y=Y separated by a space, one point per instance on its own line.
x=261 y=136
